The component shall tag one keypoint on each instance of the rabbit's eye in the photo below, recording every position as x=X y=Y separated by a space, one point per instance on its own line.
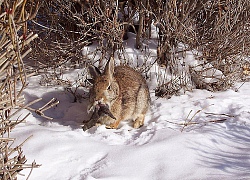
x=109 y=87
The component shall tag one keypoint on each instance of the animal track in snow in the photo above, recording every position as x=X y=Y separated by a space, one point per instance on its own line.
x=94 y=164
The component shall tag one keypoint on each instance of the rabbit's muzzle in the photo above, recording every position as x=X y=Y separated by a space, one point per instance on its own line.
x=101 y=109
x=96 y=104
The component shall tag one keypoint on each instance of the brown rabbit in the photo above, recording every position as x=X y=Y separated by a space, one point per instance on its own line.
x=121 y=93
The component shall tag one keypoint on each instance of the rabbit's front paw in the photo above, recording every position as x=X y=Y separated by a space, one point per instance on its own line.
x=113 y=125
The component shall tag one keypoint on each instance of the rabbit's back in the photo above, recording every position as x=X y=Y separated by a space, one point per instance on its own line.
x=134 y=91
x=127 y=77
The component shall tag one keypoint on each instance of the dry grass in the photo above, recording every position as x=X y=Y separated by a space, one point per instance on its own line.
x=14 y=42
x=218 y=30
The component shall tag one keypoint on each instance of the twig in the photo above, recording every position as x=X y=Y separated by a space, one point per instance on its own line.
x=205 y=122
x=197 y=112
x=196 y=123
x=222 y=114
x=53 y=102
x=33 y=165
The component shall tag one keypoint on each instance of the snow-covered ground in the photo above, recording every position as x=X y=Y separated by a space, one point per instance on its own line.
x=162 y=149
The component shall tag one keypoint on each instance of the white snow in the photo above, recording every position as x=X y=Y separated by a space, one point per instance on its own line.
x=162 y=149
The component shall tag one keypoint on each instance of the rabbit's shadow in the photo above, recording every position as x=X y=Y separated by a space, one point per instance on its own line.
x=66 y=113
x=73 y=114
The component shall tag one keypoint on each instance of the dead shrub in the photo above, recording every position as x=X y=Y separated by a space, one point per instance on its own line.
x=15 y=38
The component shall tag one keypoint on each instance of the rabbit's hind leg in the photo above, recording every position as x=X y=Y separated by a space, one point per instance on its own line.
x=114 y=125
x=139 y=121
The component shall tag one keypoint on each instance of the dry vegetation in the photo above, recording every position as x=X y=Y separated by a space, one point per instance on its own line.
x=14 y=41
x=217 y=31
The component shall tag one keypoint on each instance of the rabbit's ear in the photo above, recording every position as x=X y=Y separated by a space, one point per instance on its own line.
x=109 y=68
x=94 y=71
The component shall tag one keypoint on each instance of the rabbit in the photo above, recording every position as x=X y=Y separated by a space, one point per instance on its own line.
x=123 y=91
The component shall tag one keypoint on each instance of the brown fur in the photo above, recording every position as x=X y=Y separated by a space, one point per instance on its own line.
x=125 y=92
